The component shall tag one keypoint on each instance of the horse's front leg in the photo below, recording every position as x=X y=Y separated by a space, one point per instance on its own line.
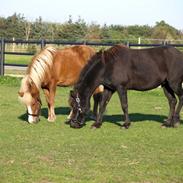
x=97 y=99
x=122 y=92
x=106 y=96
x=50 y=97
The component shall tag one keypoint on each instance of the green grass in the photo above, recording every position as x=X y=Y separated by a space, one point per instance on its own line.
x=18 y=59
x=53 y=152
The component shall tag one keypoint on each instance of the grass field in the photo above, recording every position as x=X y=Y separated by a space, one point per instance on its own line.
x=55 y=153
x=18 y=59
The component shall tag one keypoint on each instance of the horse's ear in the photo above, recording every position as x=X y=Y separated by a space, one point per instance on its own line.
x=21 y=94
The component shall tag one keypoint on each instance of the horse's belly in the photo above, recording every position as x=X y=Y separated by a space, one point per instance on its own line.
x=142 y=86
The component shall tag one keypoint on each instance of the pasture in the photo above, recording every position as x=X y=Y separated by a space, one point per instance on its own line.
x=18 y=59
x=54 y=153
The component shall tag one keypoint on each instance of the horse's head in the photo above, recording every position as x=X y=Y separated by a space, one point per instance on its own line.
x=29 y=95
x=78 y=110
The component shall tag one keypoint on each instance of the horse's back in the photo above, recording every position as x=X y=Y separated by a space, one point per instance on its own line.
x=84 y=52
x=146 y=68
x=69 y=62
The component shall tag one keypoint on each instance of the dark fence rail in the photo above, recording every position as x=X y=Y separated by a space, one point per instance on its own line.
x=42 y=43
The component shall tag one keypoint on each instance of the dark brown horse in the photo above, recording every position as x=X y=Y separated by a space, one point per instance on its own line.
x=121 y=69
x=49 y=69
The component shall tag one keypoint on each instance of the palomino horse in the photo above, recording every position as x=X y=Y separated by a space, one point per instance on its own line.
x=121 y=69
x=51 y=68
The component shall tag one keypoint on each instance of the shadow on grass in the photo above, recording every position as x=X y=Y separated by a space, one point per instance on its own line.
x=23 y=117
x=116 y=119
x=134 y=117
x=44 y=113
x=58 y=111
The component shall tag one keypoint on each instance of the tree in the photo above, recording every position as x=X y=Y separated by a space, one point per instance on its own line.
x=14 y=26
x=73 y=30
x=140 y=31
x=93 y=32
x=162 y=30
x=27 y=29
x=38 y=29
x=2 y=27
x=105 y=32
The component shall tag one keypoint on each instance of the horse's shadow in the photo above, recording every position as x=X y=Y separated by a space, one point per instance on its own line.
x=44 y=112
x=115 y=119
x=58 y=111
x=134 y=117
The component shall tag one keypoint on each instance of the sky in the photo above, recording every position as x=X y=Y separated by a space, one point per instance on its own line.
x=116 y=12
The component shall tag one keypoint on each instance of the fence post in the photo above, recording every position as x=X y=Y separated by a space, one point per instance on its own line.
x=164 y=43
x=43 y=43
x=128 y=44
x=2 y=57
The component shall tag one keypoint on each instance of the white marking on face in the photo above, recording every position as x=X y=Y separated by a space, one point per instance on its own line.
x=30 y=117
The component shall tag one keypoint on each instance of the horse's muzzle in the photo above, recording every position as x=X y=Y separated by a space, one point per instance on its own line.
x=76 y=124
x=34 y=121
x=67 y=122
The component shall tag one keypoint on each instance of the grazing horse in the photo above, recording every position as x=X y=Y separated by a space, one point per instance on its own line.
x=121 y=69
x=48 y=69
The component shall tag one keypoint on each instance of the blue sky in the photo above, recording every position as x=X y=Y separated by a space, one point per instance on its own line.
x=122 y=12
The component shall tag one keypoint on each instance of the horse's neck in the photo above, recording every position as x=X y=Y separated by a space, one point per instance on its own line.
x=91 y=78
x=86 y=91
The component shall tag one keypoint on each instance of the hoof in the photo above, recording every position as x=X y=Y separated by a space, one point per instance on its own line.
x=176 y=119
x=93 y=127
x=166 y=125
x=51 y=119
x=96 y=125
x=125 y=125
x=176 y=125
x=75 y=125
x=163 y=126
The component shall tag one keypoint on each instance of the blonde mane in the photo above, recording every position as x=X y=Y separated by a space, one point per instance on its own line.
x=40 y=65
x=36 y=72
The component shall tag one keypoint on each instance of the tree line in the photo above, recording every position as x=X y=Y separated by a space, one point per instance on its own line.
x=18 y=27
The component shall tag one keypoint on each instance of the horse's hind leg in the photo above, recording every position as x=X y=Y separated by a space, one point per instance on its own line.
x=122 y=92
x=176 y=118
x=106 y=96
x=169 y=93
x=97 y=99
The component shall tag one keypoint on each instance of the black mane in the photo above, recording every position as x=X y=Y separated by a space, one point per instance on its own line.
x=88 y=67
x=101 y=56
